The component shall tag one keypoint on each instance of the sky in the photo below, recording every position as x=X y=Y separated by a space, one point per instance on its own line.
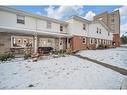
x=87 y=12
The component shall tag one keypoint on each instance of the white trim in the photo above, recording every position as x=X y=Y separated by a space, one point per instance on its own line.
x=82 y=40
x=92 y=41
x=22 y=37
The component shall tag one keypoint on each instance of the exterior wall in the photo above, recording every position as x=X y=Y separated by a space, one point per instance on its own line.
x=55 y=27
x=103 y=17
x=5 y=42
x=77 y=43
x=31 y=23
x=104 y=33
x=114 y=26
x=75 y=27
x=116 y=39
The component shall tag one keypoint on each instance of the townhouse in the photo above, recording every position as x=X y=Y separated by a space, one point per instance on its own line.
x=20 y=29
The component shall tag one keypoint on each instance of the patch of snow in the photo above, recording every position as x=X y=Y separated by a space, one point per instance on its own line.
x=67 y=72
x=115 y=56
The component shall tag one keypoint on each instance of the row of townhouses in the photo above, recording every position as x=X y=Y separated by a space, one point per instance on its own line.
x=20 y=29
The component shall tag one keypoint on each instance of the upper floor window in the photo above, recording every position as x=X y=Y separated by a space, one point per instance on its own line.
x=84 y=40
x=20 y=19
x=97 y=30
x=49 y=24
x=100 y=31
x=112 y=20
x=84 y=26
x=108 y=33
x=100 y=18
x=61 y=28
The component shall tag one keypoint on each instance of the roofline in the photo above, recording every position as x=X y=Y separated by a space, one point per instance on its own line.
x=102 y=23
x=79 y=18
x=10 y=9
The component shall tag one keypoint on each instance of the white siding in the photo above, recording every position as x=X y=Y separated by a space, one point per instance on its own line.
x=8 y=19
x=104 y=33
x=76 y=28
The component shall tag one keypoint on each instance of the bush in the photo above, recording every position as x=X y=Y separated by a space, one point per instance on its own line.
x=6 y=56
x=100 y=47
x=26 y=56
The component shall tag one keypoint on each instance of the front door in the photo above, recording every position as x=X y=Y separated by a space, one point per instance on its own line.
x=60 y=44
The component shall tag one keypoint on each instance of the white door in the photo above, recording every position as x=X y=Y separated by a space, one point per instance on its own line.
x=60 y=44
x=97 y=43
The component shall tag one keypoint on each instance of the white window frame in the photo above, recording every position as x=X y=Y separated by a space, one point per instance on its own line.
x=49 y=24
x=83 y=39
x=84 y=26
x=20 y=17
x=93 y=40
x=24 y=37
x=61 y=28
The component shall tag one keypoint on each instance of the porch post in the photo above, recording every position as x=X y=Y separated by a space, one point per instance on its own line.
x=68 y=43
x=59 y=43
x=35 y=43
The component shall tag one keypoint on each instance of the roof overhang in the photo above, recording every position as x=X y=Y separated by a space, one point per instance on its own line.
x=33 y=32
x=25 y=13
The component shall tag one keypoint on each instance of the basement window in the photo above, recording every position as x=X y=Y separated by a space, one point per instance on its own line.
x=20 y=19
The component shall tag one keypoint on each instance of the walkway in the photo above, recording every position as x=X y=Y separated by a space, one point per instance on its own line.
x=115 y=68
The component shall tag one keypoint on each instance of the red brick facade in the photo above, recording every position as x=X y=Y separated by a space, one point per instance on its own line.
x=116 y=40
x=77 y=43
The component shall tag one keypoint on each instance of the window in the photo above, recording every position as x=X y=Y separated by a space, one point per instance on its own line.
x=100 y=18
x=100 y=31
x=97 y=30
x=21 y=41
x=49 y=24
x=61 y=28
x=92 y=40
x=112 y=20
x=84 y=40
x=20 y=19
x=108 y=34
x=84 y=26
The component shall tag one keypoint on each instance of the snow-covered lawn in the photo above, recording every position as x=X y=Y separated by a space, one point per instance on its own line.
x=115 y=56
x=67 y=72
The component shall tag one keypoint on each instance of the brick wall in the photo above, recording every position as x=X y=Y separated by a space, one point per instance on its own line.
x=5 y=42
x=116 y=39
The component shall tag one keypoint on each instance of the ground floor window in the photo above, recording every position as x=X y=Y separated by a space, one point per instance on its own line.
x=21 y=41
x=84 y=40
x=46 y=42
x=91 y=40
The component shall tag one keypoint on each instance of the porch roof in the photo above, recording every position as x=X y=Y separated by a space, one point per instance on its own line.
x=33 y=32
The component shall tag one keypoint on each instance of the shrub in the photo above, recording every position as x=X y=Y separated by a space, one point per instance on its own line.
x=26 y=56
x=6 y=56
x=100 y=47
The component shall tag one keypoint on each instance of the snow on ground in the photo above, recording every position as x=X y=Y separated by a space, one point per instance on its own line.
x=115 y=56
x=67 y=72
